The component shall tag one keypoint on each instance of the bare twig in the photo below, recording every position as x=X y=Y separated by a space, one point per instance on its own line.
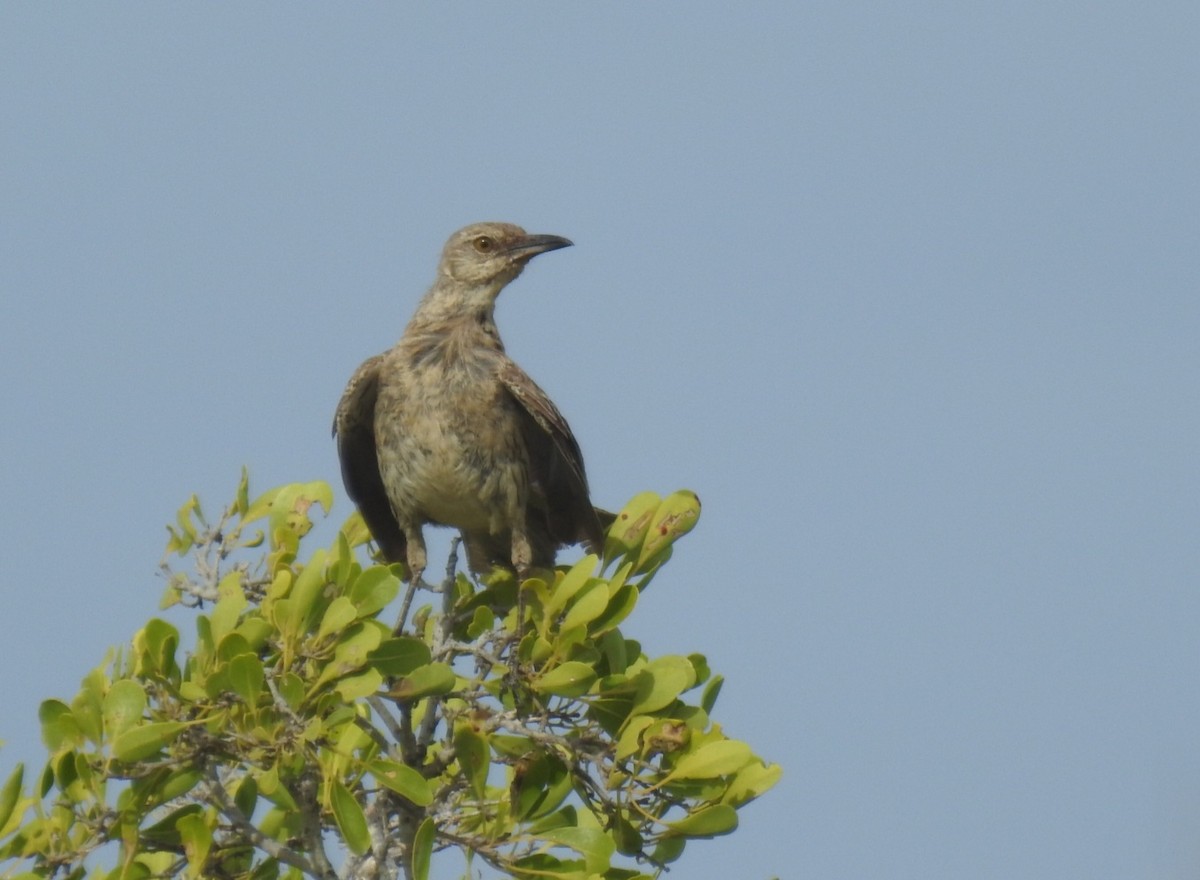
x=276 y=850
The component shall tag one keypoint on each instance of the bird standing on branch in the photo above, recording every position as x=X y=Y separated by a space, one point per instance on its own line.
x=444 y=428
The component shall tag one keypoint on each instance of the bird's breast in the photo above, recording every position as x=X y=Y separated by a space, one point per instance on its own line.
x=450 y=448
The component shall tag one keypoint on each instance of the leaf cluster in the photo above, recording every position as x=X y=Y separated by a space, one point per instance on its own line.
x=302 y=736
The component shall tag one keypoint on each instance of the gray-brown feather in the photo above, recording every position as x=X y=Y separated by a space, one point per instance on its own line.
x=445 y=429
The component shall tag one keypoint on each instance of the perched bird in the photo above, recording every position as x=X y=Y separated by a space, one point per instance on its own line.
x=445 y=429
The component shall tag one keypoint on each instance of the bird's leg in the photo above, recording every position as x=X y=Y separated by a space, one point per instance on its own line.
x=416 y=554
x=417 y=560
x=522 y=556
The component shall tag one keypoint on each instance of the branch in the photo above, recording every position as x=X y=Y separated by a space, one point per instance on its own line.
x=310 y=817
x=273 y=848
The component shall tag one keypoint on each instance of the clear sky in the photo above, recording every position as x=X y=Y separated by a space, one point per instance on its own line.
x=908 y=293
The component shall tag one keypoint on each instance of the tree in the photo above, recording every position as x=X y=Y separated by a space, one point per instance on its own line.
x=304 y=737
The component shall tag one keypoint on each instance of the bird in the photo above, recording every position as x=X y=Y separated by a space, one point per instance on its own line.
x=445 y=429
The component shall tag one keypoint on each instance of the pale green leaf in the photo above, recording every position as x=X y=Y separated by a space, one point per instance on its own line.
x=425 y=681
x=340 y=614
x=197 y=841
x=399 y=656
x=355 y=687
x=403 y=780
x=708 y=822
x=711 y=691
x=10 y=794
x=422 y=849
x=593 y=844
x=714 y=759
x=572 y=582
x=351 y=820
x=751 y=781
x=373 y=590
x=661 y=682
x=473 y=757
x=571 y=679
x=674 y=518
x=230 y=604
x=142 y=741
x=619 y=607
x=123 y=707
x=351 y=652
x=589 y=604
x=305 y=593
x=628 y=531
x=246 y=676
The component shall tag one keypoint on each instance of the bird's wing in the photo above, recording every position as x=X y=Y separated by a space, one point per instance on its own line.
x=556 y=462
x=354 y=427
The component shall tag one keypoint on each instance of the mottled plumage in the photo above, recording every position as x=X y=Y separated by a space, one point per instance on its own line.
x=444 y=428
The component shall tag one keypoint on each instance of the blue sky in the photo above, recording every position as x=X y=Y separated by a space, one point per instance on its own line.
x=906 y=292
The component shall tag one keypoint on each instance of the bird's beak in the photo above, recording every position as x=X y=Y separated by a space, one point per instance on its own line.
x=532 y=245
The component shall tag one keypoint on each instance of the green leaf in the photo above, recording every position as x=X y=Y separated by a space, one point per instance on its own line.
x=88 y=706
x=661 y=682
x=340 y=614
x=246 y=797
x=425 y=681
x=154 y=647
x=751 y=781
x=230 y=605
x=628 y=531
x=241 y=500
x=291 y=687
x=594 y=845
x=373 y=590
x=612 y=644
x=138 y=743
x=589 y=604
x=246 y=678
x=351 y=653
x=197 y=841
x=400 y=656
x=422 y=849
x=288 y=506
x=355 y=687
x=627 y=838
x=711 y=691
x=572 y=582
x=179 y=783
x=234 y=644
x=673 y=519
x=481 y=621
x=123 y=707
x=255 y=630
x=351 y=820
x=471 y=747
x=302 y=599
x=708 y=822
x=403 y=780
x=165 y=832
x=10 y=794
x=182 y=540
x=59 y=729
x=714 y=759
x=630 y=742
x=669 y=849
x=539 y=787
x=571 y=679
x=619 y=607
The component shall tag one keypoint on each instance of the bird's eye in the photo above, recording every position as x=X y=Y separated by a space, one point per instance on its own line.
x=484 y=244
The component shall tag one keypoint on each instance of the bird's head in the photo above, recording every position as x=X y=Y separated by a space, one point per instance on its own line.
x=493 y=254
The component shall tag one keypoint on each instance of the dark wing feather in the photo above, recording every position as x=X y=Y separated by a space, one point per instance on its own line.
x=354 y=427
x=556 y=462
